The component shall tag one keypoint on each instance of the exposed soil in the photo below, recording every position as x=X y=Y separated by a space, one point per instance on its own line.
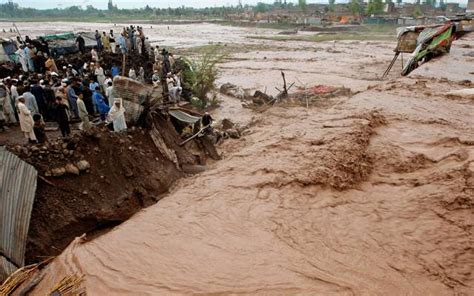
x=127 y=172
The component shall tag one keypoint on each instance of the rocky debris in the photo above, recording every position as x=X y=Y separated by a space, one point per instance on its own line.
x=233 y=91
x=226 y=124
x=71 y=169
x=56 y=172
x=233 y=133
x=55 y=158
x=83 y=165
x=228 y=129
x=259 y=98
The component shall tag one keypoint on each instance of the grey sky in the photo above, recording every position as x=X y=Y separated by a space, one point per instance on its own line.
x=42 y=4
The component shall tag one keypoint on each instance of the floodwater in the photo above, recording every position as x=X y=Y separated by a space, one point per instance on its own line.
x=176 y=36
x=369 y=194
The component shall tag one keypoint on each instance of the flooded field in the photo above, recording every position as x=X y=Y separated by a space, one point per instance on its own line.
x=369 y=193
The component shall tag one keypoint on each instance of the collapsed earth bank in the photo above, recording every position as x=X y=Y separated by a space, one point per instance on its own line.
x=97 y=179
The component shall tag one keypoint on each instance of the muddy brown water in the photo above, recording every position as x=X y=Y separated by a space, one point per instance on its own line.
x=370 y=194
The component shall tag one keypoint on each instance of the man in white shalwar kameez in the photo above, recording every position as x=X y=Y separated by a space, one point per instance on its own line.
x=117 y=116
x=26 y=120
x=7 y=107
x=22 y=58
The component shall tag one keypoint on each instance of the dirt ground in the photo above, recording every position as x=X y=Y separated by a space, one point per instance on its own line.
x=121 y=179
x=364 y=194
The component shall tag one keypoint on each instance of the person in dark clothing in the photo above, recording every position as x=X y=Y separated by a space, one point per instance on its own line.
x=38 y=92
x=45 y=46
x=39 y=130
x=50 y=100
x=40 y=62
x=207 y=119
x=98 y=39
x=165 y=69
x=87 y=97
x=62 y=117
x=81 y=43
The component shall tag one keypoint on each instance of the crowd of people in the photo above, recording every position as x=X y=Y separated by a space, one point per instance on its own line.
x=41 y=92
x=33 y=98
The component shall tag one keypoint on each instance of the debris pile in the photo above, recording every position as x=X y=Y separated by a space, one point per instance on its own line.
x=233 y=91
x=303 y=96
x=57 y=158
x=320 y=92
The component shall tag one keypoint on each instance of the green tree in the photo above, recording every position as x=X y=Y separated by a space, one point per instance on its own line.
x=442 y=4
x=399 y=2
x=332 y=5
x=261 y=7
x=148 y=9
x=302 y=4
x=355 y=7
x=375 y=7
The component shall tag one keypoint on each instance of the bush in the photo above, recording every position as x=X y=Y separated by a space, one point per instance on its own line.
x=205 y=73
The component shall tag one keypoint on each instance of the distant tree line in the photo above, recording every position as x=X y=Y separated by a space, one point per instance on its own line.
x=11 y=10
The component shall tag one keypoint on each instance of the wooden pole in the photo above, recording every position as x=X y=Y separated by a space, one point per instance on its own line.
x=391 y=65
x=18 y=31
x=124 y=59
x=285 y=90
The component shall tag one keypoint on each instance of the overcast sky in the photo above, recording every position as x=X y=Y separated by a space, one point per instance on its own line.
x=41 y=4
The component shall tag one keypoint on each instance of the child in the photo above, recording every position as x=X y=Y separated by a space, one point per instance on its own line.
x=39 y=130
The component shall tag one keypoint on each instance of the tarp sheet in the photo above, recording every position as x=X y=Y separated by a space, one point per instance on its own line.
x=61 y=36
x=184 y=117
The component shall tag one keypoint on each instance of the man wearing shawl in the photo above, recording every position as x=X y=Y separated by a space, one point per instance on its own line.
x=117 y=116
x=26 y=121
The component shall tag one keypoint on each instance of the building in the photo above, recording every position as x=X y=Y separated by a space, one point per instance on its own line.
x=470 y=6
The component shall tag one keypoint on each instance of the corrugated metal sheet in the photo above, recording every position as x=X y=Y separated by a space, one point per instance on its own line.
x=17 y=194
x=6 y=268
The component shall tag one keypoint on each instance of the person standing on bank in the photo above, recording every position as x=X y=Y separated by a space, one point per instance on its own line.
x=81 y=43
x=26 y=120
x=62 y=117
